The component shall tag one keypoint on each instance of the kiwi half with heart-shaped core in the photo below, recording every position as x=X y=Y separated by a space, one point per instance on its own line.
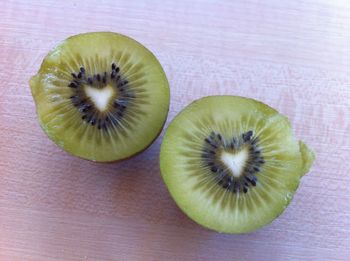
x=231 y=163
x=101 y=96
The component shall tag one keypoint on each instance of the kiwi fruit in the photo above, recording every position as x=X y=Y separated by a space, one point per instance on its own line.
x=232 y=163
x=101 y=96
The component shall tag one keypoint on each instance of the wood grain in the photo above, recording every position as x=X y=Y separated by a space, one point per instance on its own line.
x=292 y=55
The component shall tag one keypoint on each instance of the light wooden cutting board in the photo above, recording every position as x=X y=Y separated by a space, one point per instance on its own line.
x=293 y=55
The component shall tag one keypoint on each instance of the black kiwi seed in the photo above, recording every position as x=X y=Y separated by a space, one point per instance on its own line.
x=119 y=104
x=73 y=85
x=256 y=152
x=225 y=179
x=210 y=143
x=214 y=146
x=214 y=169
x=247 y=136
x=226 y=185
x=233 y=144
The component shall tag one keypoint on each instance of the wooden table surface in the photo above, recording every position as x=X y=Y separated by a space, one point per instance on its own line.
x=293 y=55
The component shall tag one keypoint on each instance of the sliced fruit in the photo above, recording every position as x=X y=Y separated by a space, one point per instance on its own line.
x=231 y=163
x=101 y=96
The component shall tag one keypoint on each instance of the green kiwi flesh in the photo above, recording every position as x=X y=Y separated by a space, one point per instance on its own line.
x=101 y=96
x=232 y=164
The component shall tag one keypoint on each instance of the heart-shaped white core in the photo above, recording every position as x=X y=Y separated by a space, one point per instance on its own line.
x=235 y=162
x=100 y=97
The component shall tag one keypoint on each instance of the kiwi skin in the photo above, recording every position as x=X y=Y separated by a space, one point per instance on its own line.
x=119 y=160
x=179 y=194
x=34 y=89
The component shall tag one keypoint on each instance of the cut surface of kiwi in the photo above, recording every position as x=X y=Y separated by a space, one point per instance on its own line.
x=232 y=164
x=101 y=96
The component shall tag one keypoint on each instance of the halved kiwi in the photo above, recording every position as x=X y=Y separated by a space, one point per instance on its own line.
x=101 y=96
x=231 y=163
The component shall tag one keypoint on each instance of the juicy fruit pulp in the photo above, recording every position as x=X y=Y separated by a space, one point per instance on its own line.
x=101 y=96
x=231 y=163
